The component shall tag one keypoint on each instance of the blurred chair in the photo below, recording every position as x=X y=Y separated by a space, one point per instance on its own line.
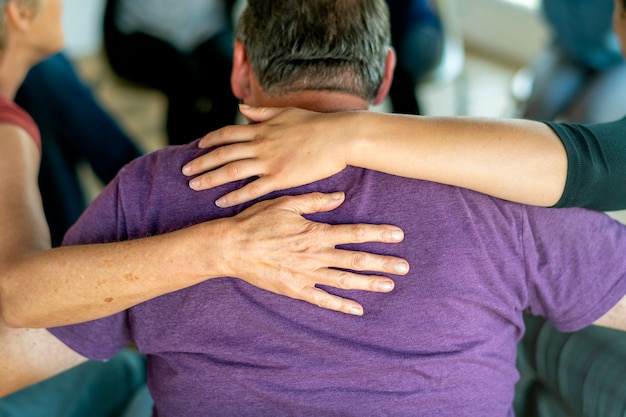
x=580 y=76
x=451 y=69
x=115 y=388
x=429 y=46
x=453 y=59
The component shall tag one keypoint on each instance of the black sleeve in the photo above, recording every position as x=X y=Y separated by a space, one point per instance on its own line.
x=596 y=171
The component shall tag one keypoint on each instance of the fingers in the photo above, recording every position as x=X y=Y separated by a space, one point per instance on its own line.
x=301 y=204
x=248 y=192
x=361 y=233
x=306 y=254
x=260 y=114
x=218 y=157
x=312 y=202
x=364 y=261
x=328 y=301
x=350 y=281
x=227 y=135
x=346 y=281
x=344 y=233
x=240 y=133
x=234 y=171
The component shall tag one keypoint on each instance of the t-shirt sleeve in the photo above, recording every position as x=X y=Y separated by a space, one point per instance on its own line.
x=575 y=265
x=596 y=171
x=103 y=221
x=11 y=113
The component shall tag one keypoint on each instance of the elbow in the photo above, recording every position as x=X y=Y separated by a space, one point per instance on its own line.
x=11 y=320
x=11 y=317
x=11 y=313
x=17 y=318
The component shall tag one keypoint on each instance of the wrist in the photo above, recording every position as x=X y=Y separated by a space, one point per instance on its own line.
x=204 y=248
x=356 y=141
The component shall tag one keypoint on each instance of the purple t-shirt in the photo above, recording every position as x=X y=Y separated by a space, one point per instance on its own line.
x=443 y=343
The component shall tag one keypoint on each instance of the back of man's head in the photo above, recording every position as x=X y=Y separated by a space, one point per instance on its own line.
x=325 y=45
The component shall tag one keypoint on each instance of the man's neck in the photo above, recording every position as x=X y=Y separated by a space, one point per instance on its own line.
x=320 y=101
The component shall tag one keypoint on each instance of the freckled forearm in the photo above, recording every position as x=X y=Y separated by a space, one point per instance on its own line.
x=79 y=283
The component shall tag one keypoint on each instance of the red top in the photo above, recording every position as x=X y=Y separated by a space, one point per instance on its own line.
x=13 y=114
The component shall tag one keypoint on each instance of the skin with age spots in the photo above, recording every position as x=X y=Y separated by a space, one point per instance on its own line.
x=130 y=277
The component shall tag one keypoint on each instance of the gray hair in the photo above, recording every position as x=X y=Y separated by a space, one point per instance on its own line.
x=332 y=45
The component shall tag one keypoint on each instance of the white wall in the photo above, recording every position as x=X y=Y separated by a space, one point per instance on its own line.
x=82 y=22
x=503 y=29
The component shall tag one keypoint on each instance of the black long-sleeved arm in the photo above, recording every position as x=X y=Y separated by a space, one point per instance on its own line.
x=596 y=173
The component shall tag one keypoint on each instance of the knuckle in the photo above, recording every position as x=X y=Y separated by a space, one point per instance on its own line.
x=286 y=289
x=232 y=170
x=220 y=133
x=205 y=181
x=358 y=261
x=316 y=199
x=227 y=132
x=221 y=153
x=359 y=233
x=318 y=232
x=373 y=285
x=386 y=263
x=254 y=189
x=342 y=280
x=324 y=301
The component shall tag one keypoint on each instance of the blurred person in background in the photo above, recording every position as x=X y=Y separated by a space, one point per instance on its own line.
x=417 y=36
x=581 y=75
x=74 y=129
x=182 y=48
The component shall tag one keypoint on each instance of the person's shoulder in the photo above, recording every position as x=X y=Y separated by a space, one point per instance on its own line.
x=154 y=172
x=11 y=111
x=12 y=114
x=164 y=159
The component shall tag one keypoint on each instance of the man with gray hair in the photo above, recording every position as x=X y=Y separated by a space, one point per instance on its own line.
x=442 y=344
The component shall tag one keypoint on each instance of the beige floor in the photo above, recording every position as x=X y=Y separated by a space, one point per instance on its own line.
x=139 y=110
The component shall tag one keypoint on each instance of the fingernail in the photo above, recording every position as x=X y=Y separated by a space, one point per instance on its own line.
x=186 y=169
x=336 y=196
x=357 y=311
x=385 y=286
x=245 y=106
x=402 y=268
x=397 y=235
x=221 y=202
x=194 y=184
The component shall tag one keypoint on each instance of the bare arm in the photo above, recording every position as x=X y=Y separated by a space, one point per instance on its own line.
x=43 y=288
x=615 y=318
x=28 y=356
x=518 y=160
